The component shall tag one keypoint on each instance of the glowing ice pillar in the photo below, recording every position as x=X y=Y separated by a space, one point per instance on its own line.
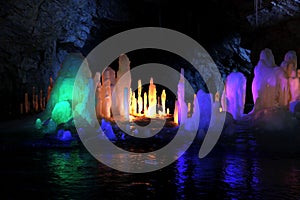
x=163 y=101
x=196 y=111
x=97 y=79
x=176 y=112
x=122 y=83
x=217 y=104
x=294 y=83
x=189 y=108
x=97 y=85
x=145 y=103
x=126 y=104
x=182 y=107
x=140 y=99
x=99 y=100
x=107 y=94
x=130 y=102
x=152 y=99
x=133 y=104
x=234 y=94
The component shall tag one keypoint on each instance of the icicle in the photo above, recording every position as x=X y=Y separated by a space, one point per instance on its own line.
x=140 y=99
x=145 y=103
x=152 y=99
x=163 y=101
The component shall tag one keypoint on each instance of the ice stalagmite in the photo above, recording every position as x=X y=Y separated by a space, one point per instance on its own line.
x=123 y=81
x=234 y=94
x=264 y=82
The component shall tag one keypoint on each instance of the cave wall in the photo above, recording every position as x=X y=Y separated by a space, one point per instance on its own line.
x=280 y=38
x=37 y=35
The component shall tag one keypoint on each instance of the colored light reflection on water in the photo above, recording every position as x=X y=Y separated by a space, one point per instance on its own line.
x=75 y=174
x=241 y=176
x=181 y=176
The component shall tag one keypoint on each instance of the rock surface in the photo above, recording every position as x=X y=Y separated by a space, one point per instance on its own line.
x=37 y=35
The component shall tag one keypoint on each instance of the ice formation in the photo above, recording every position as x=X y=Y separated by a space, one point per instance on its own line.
x=290 y=66
x=264 y=82
x=123 y=81
x=163 y=101
x=133 y=110
x=64 y=135
x=114 y=96
x=145 y=103
x=140 y=99
x=152 y=99
x=294 y=87
x=126 y=104
x=50 y=127
x=84 y=109
x=275 y=86
x=182 y=106
x=192 y=123
x=233 y=98
x=98 y=99
x=62 y=98
x=283 y=74
x=108 y=77
x=205 y=106
x=107 y=129
x=176 y=121
x=62 y=112
x=38 y=123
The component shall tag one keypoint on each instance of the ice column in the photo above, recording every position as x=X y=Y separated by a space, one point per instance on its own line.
x=152 y=99
x=234 y=94
x=133 y=104
x=196 y=111
x=97 y=85
x=163 y=101
x=106 y=93
x=126 y=104
x=97 y=79
x=176 y=113
x=122 y=83
x=262 y=73
x=182 y=106
x=145 y=103
x=99 y=100
x=140 y=99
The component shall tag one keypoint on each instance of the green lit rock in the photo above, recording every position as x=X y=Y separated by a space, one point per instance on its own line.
x=62 y=112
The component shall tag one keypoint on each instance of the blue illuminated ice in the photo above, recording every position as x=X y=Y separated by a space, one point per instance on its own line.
x=64 y=135
x=107 y=129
